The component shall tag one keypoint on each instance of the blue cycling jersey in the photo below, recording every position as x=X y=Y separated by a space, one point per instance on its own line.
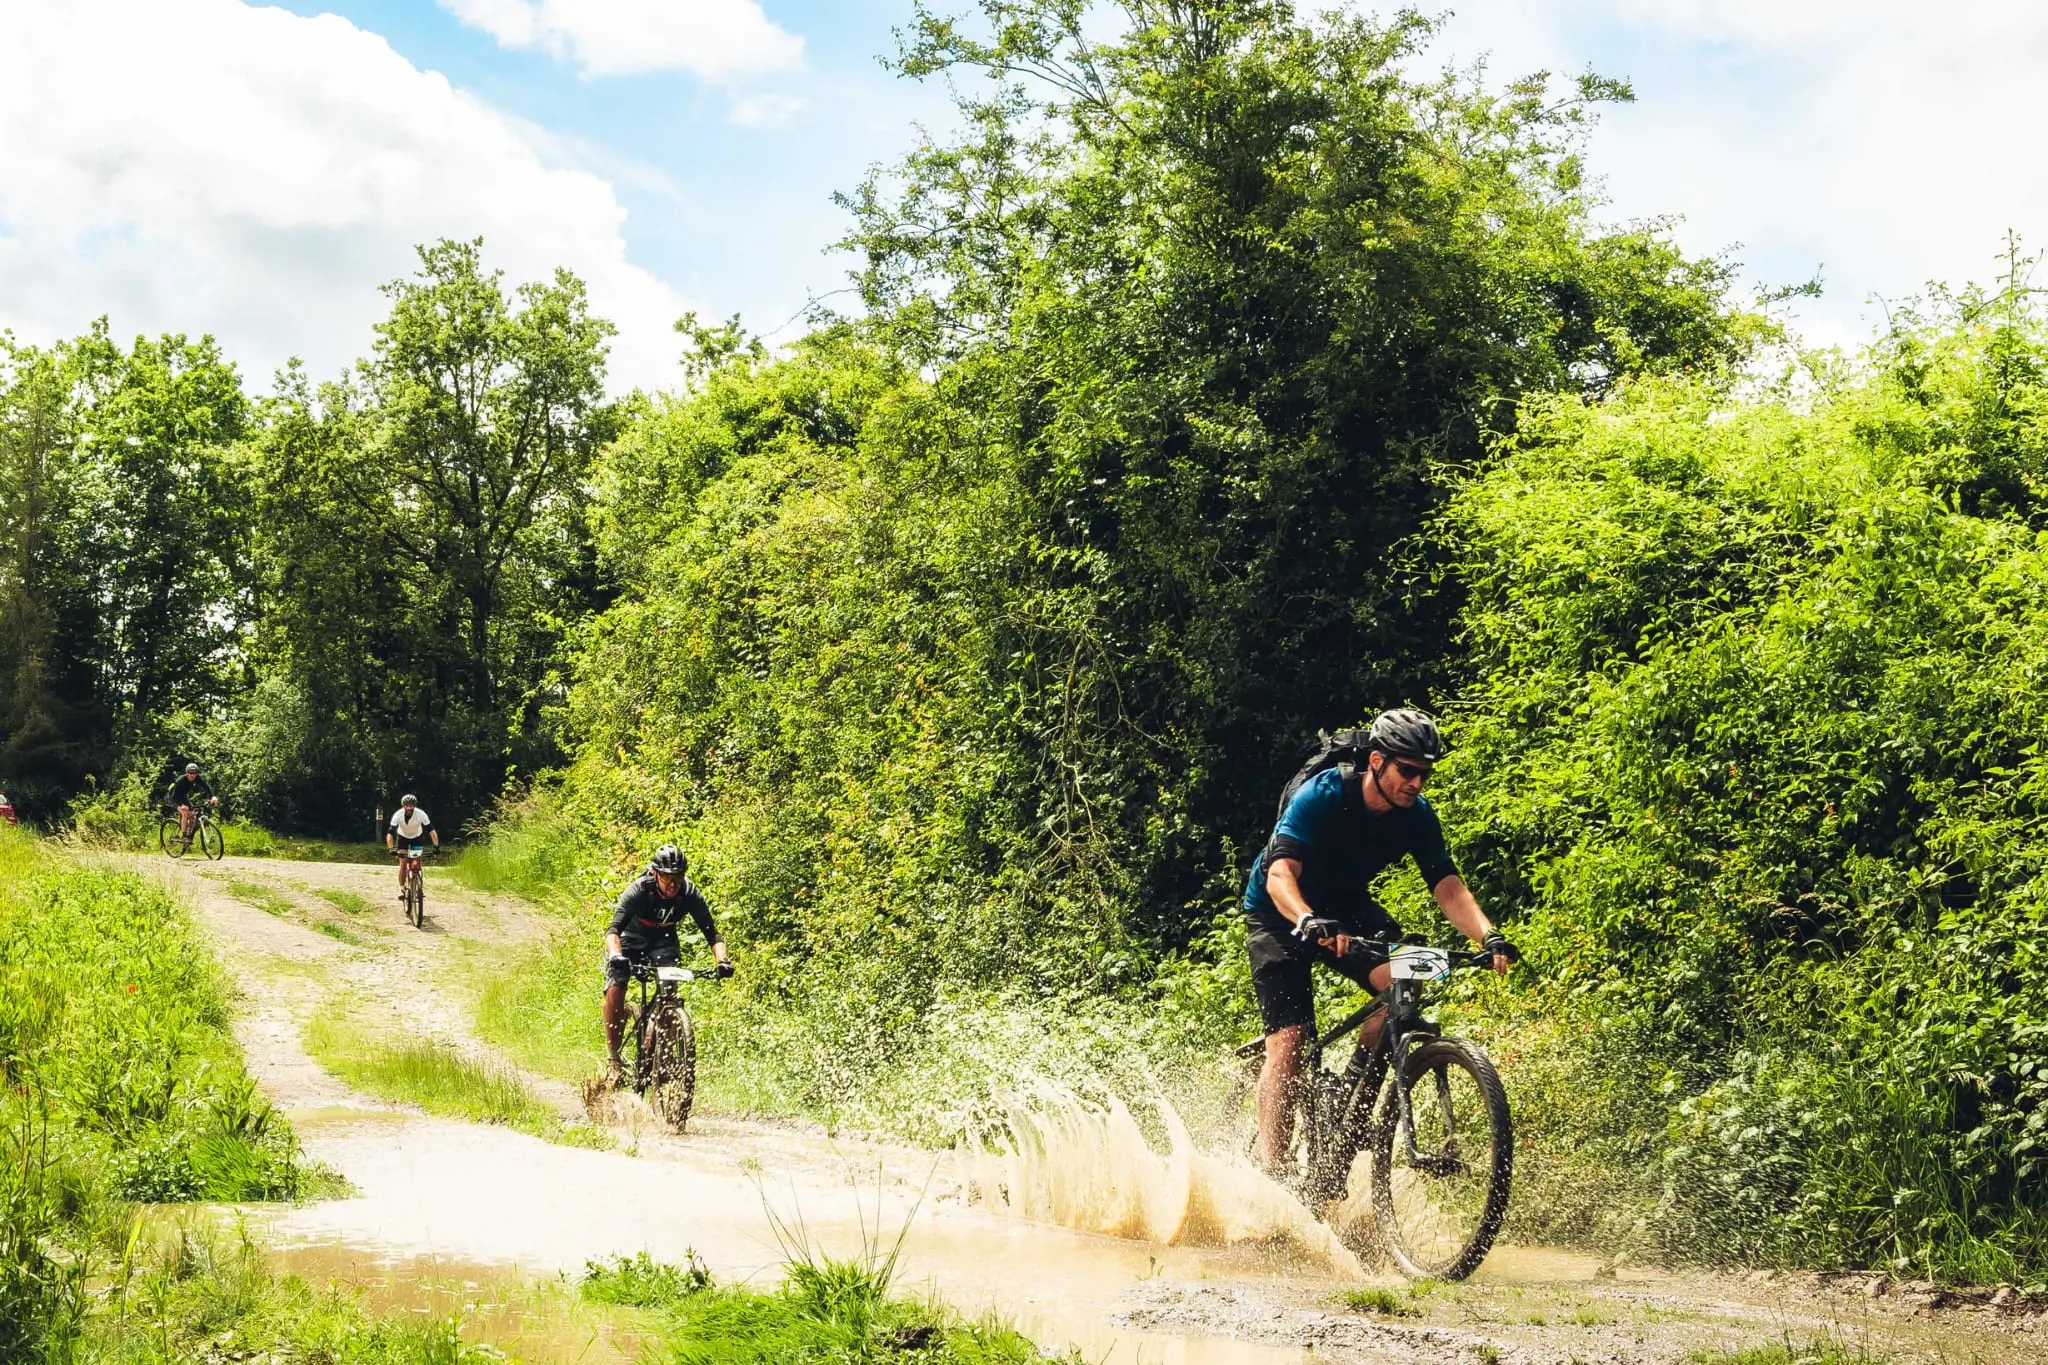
x=1342 y=845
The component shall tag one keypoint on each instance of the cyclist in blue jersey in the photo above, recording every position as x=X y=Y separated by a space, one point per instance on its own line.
x=1310 y=895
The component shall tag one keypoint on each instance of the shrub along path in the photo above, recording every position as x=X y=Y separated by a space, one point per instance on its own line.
x=329 y=969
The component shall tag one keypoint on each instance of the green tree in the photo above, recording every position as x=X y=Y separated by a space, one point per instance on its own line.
x=969 y=640
x=126 y=571
x=481 y=422
x=424 y=545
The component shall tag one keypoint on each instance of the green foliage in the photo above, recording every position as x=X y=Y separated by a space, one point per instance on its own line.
x=422 y=544
x=1755 y=746
x=123 y=552
x=963 y=648
x=640 y=1281
x=826 y=1309
x=123 y=1033
x=1382 y=1302
x=1820 y=1351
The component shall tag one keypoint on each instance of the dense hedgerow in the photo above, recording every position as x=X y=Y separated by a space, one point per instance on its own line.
x=1755 y=754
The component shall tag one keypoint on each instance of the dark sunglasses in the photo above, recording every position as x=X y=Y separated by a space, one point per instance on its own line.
x=1414 y=772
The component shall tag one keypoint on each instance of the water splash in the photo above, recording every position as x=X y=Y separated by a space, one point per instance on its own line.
x=1085 y=1165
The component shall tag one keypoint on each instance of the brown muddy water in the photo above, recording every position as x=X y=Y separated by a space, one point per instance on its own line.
x=745 y=1200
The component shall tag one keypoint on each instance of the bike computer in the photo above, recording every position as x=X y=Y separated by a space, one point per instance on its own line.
x=1413 y=963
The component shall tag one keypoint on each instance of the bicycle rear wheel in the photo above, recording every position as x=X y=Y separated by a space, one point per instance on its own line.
x=671 y=1053
x=1439 y=1204
x=170 y=837
x=211 y=841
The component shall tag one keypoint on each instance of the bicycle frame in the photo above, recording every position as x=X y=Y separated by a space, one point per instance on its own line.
x=1358 y=1085
x=652 y=993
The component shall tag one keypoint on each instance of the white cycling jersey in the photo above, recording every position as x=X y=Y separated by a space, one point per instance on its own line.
x=414 y=828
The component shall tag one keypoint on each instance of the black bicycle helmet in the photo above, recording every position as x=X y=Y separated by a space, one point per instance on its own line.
x=1405 y=733
x=669 y=861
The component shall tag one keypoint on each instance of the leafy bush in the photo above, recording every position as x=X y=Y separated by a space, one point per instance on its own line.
x=1754 y=750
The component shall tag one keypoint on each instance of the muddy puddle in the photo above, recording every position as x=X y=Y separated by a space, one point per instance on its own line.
x=432 y=1191
x=539 y=1323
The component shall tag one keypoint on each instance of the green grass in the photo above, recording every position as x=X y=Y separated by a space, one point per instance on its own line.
x=1383 y=1302
x=1821 y=1351
x=1586 y=1316
x=348 y=902
x=440 y=1080
x=265 y=898
x=826 y=1309
x=338 y=932
x=533 y=850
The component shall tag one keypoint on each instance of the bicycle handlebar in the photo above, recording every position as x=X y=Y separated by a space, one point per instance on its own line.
x=1377 y=951
x=645 y=971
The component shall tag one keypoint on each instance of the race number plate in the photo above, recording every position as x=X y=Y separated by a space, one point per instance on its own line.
x=1412 y=963
x=674 y=974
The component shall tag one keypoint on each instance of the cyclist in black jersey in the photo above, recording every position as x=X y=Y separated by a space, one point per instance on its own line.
x=185 y=794
x=644 y=930
x=1310 y=895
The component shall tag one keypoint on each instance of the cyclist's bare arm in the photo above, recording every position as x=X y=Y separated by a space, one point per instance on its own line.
x=1455 y=899
x=1283 y=884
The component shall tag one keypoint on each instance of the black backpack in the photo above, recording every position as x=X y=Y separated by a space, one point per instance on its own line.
x=1344 y=748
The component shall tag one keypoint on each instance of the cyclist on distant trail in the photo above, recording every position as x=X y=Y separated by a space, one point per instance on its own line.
x=1310 y=895
x=643 y=931
x=185 y=793
x=410 y=824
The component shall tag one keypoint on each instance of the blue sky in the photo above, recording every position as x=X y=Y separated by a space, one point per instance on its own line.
x=255 y=172
x=733 y=212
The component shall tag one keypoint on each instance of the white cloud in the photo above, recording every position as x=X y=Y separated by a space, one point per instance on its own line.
x=205 y=166
x=720 y=40
x=1889 y=142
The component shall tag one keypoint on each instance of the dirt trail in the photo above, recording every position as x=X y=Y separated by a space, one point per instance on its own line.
x=479 y=1199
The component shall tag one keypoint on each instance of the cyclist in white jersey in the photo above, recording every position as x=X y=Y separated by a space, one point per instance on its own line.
x=410 y=824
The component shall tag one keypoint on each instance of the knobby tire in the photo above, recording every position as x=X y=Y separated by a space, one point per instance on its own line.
x=670 y=1051
x=211 y=841
x=170 y=837
x=1438 y=1224
x=416 y=900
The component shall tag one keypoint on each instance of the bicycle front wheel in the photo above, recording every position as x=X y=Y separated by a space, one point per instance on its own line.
x=672 y=1065
x=211 y=841
x=416 y=901
x=1439 y=1200
x=170 y=837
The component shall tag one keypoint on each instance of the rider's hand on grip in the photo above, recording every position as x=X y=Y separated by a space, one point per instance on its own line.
x=1315 y=928
x=724 y=970
x=1496 y=944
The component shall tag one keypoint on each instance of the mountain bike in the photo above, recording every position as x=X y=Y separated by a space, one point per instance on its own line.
x=1437 y=1148
x=415 y=885
x=664 y=1064
x=172 y=839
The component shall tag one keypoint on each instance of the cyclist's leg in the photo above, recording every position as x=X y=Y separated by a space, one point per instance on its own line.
x=615 y=975
x=185 y=821
x=1287 y=1007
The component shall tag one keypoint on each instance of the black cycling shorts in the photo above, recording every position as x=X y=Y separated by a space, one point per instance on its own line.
x=618 y=970
x=1287 y=989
